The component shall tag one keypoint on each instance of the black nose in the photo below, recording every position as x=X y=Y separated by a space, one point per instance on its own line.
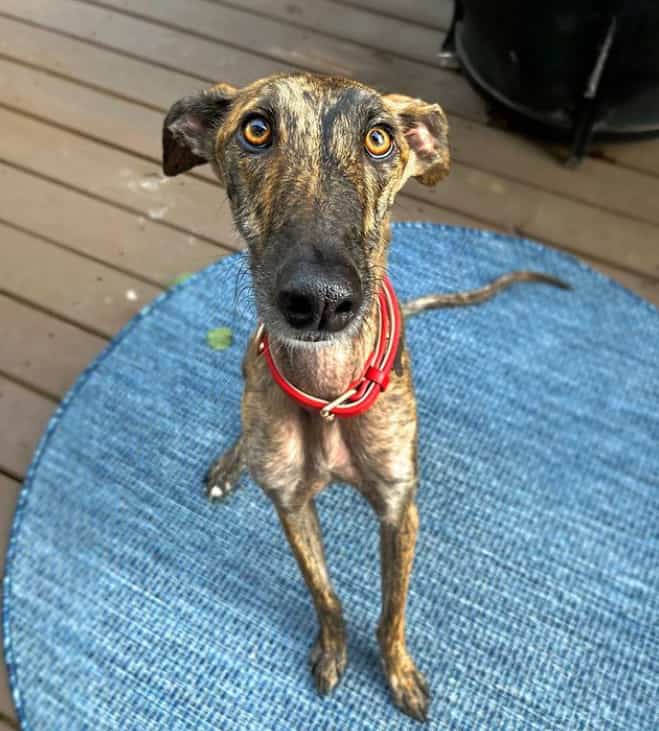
x=317 y=295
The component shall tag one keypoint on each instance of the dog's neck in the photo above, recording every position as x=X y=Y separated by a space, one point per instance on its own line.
x=326 y=370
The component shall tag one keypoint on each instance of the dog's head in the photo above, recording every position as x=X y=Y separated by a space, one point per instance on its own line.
x=311 y=166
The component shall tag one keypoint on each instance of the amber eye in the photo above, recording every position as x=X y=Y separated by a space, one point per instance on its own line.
x=378 y=142
x=257 y=132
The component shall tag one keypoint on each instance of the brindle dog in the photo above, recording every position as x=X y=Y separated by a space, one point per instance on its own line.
x=311 y=167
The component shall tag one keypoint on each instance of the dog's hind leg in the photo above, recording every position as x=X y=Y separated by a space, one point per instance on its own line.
x=329 y=654
x=224 y=474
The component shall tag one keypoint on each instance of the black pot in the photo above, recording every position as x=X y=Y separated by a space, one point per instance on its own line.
x=560 y=64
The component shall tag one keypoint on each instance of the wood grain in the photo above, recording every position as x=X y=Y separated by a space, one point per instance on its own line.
x=502 y=202
x=70 y=286
x=193 y=207
x=214 y=55
x=30 y=340
x=431 y=13
x=25 y=415
x=627 y=192
x=129 y=242
x=377 y=30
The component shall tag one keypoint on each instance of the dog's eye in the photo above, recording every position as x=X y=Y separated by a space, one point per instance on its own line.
x=257 y=132
x=378 y=143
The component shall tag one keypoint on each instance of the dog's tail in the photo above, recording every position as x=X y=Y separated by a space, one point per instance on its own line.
x=476 y=296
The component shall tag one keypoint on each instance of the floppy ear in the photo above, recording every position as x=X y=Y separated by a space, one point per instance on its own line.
x=426 y=131
x=188 y=134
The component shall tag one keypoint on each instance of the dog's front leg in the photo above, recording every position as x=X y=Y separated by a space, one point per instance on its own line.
x=408 y=685
x=225 y=473
x=329 y=654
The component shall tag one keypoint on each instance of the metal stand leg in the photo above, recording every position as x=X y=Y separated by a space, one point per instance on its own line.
x=586 y=114
x=448 y=58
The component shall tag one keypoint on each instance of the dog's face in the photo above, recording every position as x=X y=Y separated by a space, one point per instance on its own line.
x=311 y=166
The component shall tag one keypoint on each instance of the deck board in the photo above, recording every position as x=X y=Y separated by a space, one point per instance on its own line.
x=213 y=52
x=60 y=52
x=29 y=338
x=431 y=13
x=186 y=204
x=28 y=413
x=376 y=30
x=503 y=202
x=75 y=288
x=126 y=241
x=629 y=193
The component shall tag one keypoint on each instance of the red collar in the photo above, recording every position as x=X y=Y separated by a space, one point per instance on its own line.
x=361 y=393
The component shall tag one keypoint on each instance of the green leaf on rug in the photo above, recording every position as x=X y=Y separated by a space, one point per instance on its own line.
x=179 y=279
x=220 y=338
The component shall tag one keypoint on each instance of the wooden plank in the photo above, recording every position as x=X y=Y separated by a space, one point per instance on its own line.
x=432 y=13
x=23 y=417
x=397 y=36
x=600 y=188
x=77 y=289
x=110 y=70
x=106 y=28
x=501 y=202
x=195 y=207
x=518 y=209
x=642 y=155
x=9 y=490
x=408 y=209
x=213 y=23
x=414 y=209
x=129 y=242
x=630 y=193
x=132 y=127
x=309 y=50
x=596 y=182
x=41 y=350
x=115 y=242
x=477 y=213
x=105 y=69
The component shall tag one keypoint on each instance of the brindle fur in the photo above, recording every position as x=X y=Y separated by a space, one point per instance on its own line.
x=315 y=186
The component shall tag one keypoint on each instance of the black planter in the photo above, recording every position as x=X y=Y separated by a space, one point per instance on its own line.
x=570 y=68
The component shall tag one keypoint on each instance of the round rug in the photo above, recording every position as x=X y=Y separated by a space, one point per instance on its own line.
x=133 y=603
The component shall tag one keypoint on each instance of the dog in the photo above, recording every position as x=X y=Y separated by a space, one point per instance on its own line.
x=311 y=166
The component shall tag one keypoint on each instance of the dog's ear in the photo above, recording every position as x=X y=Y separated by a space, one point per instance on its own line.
x=190 y=127
x=426 y=132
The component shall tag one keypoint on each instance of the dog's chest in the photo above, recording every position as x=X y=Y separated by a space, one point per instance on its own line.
x=298 y=454
x=324 y=454
x=333 y=458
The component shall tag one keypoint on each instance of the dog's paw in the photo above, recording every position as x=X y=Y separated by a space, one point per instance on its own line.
x=224 y=475
x=328 y=664
x=409 y=688
x=219 y=489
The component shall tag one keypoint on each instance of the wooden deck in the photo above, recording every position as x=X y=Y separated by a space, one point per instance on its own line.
x=90 y=232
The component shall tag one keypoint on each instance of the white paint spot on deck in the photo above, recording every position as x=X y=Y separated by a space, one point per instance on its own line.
x=155 y=214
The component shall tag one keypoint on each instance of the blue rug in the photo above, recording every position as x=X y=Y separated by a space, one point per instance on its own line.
x=133 y=603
